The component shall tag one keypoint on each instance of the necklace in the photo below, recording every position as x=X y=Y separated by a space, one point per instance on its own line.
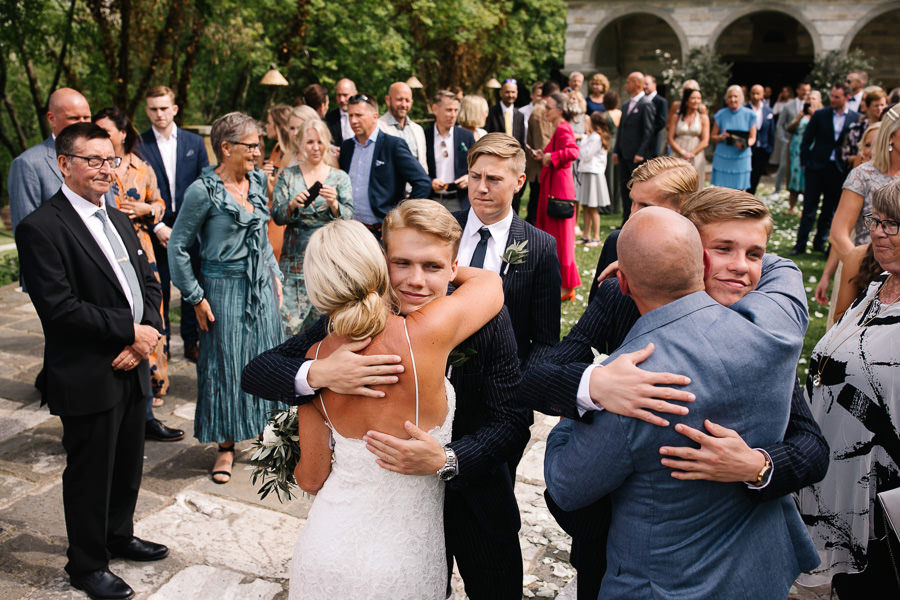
x=874 y=302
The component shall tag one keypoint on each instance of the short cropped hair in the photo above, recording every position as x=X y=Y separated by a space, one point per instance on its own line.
x=425 y=216
x=442 y=95
x=678 y=178
x=65 y=141
x=873 y=94
x=499 y=145
x=843 y=87
x=231 y=127
x=364 y=99
x=735 y=88
x=718 y=204
x=158 y=91
x=886 y=200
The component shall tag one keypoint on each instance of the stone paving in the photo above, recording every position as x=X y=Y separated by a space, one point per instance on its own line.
x=226 y=543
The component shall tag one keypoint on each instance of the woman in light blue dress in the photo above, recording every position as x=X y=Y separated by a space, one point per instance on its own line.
x=732 y=160
x=291 y=207
x=237 y=297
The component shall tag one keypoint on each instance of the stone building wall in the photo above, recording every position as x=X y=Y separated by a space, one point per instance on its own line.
x=602 y=35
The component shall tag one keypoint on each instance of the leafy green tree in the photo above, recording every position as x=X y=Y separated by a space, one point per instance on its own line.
x=834 y=66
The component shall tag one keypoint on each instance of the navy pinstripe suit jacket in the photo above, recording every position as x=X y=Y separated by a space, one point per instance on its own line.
x=531 y=290
x=489 y=427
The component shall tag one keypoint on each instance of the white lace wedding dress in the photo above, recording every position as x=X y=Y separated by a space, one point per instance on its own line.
x=372 y=533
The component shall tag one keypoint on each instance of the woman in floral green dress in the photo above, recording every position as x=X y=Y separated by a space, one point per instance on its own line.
x=291 y=207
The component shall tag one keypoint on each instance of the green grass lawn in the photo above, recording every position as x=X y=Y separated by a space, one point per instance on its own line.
x=781 y=243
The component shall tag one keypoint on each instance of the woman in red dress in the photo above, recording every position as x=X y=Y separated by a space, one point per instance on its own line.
x=556 y=181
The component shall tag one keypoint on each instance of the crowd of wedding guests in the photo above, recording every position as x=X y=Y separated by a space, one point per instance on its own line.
x=690 y=432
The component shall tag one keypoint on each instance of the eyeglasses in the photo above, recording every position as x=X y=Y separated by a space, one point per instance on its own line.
x=888 y=226
x=444 y=149
x=250 y=147
x=96 y=162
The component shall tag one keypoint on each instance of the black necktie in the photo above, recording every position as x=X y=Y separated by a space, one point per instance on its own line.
x=480 y=248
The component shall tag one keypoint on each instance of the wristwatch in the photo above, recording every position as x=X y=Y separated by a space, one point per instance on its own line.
x=760 y=477
x=450 y=468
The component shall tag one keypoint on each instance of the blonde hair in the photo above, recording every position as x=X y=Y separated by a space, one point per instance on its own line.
x=690 y=84
x=304 y=113
x=717 y=204
x=735 y=88
x=874 y=127
x=317 y=125
x=473 y=111
x=602 y=80
x=881 y=151
x=678 y=178
x=499 y=145
x=347 y=279
x=425 y=216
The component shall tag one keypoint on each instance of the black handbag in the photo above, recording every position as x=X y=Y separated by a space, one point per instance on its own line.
x=558 y=208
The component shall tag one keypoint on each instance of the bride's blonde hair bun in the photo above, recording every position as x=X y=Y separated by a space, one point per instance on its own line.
x=347 y=279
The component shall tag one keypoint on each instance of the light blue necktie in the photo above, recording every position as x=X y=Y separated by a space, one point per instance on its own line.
x=125 y=264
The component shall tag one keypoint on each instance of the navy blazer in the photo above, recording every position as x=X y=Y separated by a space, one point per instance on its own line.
x=489 y=427
x=765 y=137
x=84 y=312
x=462 y=140
x=393 y=166
x=818 y=139
x=497 y=122
x=530 y=290
x=636 y=135
x=190 y=160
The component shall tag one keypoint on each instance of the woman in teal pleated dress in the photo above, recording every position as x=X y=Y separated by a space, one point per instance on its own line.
x=732 y=160
x=237 y=299
x=291 y=207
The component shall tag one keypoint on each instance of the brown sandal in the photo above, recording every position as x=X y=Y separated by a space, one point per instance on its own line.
x=223 y=449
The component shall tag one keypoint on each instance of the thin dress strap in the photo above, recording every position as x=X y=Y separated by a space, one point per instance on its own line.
x=321 y=399
x=412 y=358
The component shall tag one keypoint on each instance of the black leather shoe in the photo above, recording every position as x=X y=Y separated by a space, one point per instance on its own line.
x=192 y=352
x=155 y=430
x=102 y=585
x=141 y=550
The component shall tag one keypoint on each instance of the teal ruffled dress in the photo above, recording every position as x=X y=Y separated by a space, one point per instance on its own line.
x=238 y=279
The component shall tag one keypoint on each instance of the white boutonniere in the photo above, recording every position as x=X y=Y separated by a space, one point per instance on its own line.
x=514 y=254
x=599 y=357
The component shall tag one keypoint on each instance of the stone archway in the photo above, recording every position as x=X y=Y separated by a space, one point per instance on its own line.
x=770 y=47
x=877 y=37
x=628 y=42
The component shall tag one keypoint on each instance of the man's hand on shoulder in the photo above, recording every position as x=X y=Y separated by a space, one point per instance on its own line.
x=622 y=388
x=420 y=455
x=352 y=374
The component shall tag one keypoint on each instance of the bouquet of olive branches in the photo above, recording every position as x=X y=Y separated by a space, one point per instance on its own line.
x=276 y=454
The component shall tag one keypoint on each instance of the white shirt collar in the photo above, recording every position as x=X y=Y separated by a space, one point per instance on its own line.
x=448 y=137
x=651 y=96
x=499 y=230
x=637 y=96
x=161 y=138
x=84 y=207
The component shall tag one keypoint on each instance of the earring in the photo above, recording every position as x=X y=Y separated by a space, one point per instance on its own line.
x=891 y=146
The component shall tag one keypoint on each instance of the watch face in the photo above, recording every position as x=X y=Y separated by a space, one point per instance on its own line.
x=446 y=474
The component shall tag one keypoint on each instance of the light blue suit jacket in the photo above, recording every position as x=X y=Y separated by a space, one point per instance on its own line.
x=696 y=539
x=34 y=177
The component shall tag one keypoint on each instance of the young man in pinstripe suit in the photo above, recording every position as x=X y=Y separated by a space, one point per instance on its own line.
x=481 y=517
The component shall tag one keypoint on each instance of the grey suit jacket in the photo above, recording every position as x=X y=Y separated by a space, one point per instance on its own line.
x=695 y=539
x=785 y=117
x=33 y=179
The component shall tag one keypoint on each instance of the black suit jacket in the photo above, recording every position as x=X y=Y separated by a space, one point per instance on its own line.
x=333 y=122
x=530 y=290
x=496 y=122
x=635 y=135
x=462 y=141
x=660 y=114
x=190 y=160
x=818 y=139
x=393 y=166
x=83 y=309
x=489 y=427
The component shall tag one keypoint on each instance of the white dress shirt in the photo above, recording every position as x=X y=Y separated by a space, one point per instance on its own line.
x=837 y=120
x=168 y=149
x=495 y=246
x=87 y=210
x=854 y=101
x=443 y=165
x=758 y=111
x=346 y=130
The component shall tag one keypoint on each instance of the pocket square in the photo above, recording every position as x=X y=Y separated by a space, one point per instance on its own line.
x=378 y=163
x=190 y=153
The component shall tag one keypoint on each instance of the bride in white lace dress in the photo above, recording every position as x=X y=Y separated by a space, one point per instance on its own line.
x=373 y=533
